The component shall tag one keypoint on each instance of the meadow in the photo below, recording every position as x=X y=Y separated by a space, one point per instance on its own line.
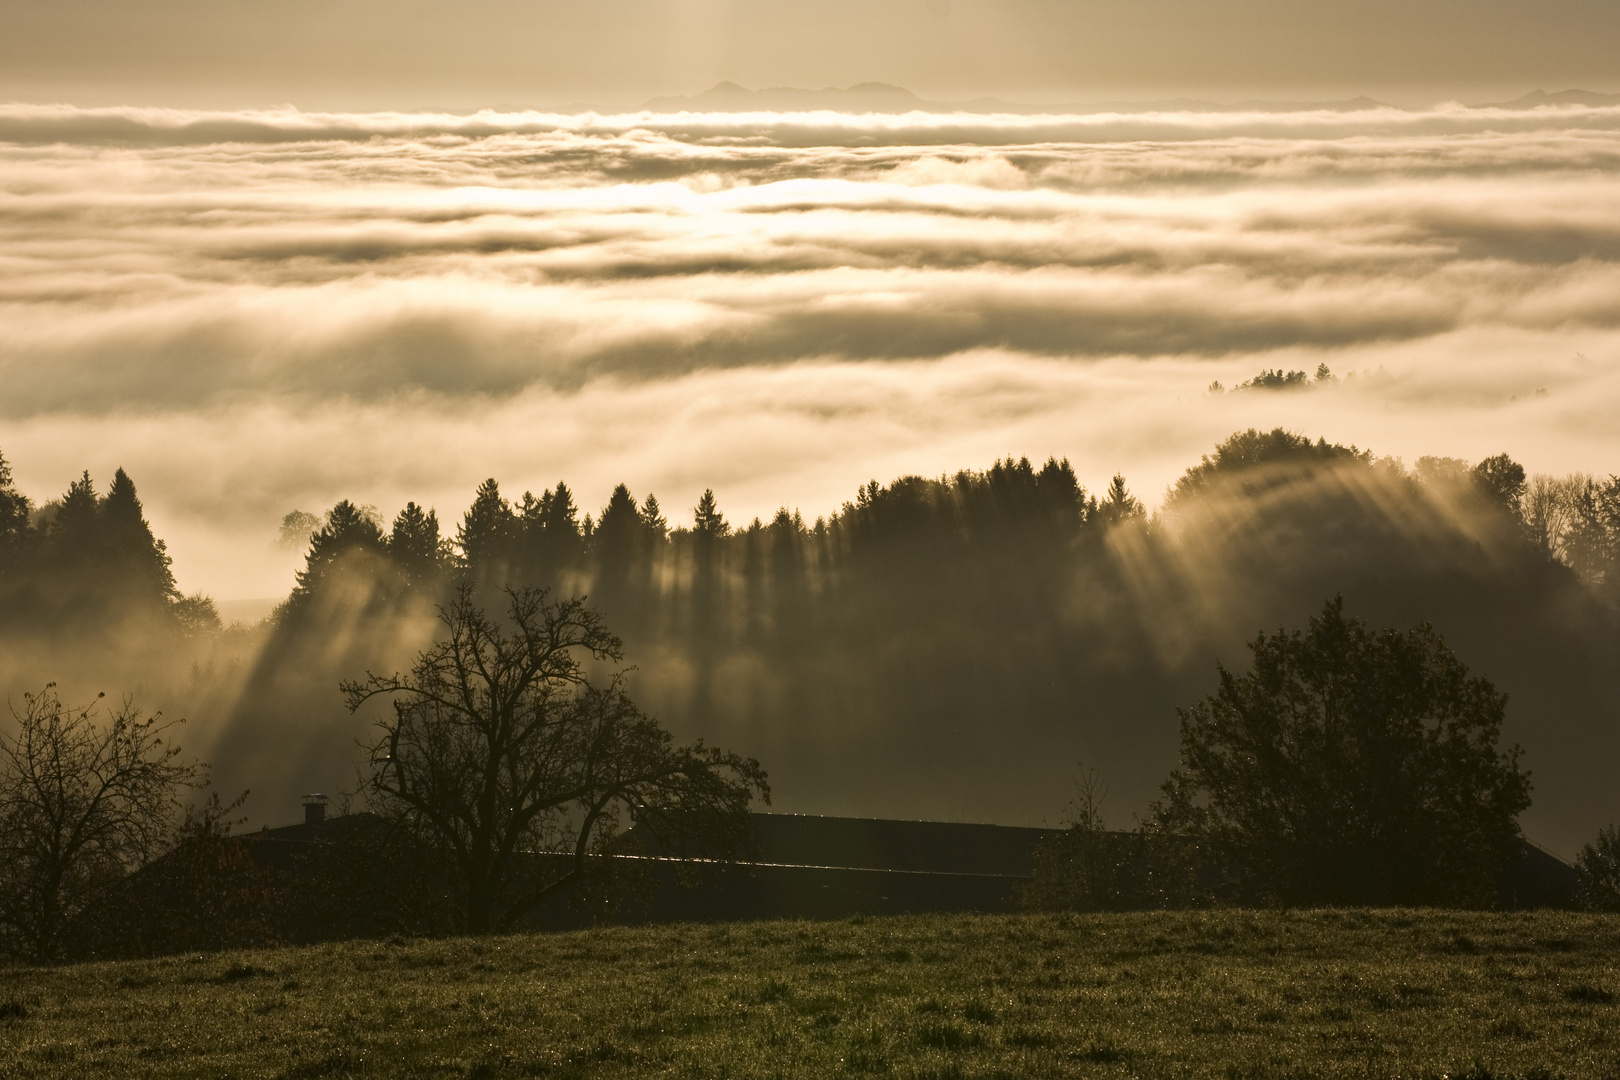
x=1382 y=993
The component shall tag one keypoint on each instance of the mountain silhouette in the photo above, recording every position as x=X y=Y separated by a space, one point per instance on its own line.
x=1535 y=99
x=876 y=97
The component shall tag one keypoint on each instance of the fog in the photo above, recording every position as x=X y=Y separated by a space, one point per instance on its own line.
x=267 y=310
x=258 y=311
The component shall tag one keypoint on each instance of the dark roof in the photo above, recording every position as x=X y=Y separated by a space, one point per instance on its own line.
x=303 y=832
x=938 y=847
x=1539 y=880
x=941 y=847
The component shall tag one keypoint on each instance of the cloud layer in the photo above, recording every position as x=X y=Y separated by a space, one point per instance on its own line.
x=258 y=310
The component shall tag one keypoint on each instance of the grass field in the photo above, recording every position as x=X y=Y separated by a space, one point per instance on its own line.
x=1219 y=994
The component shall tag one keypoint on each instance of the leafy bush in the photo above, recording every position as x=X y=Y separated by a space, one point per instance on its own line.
x=1598 y=866
x=1351 y=766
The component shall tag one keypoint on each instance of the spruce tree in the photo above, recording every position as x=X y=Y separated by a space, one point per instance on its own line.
x=709 y=528
x=487 y=533
x=615 y=550
x=551 y=542
x=351 y=535
x=653 y=522
x=14 y=528
x=706 y=517
x=415 y=546
x=787 y=578
x=75 y=533
x=1119 y=505
x=135 y=562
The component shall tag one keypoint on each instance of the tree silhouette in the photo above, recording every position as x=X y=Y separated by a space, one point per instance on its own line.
x=653 y=520
x=1598 y=870
x=617 y=547
x=415 y=546
x=1501 y=479
x=1593 y=541
x=499 y=748
x=351 y=539
x=296 y=529
x=1352 y=766
x=83 y=800
x=709 y=529
x=707 y=521
x=75 y=533
x=1245 y=455
x=14 y=526
x=136 y=562
x=1119 y=505
x=488 y=533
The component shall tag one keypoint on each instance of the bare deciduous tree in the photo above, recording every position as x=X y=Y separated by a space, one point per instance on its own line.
x=84 y=799
x=503 y=756
x=1551 y=508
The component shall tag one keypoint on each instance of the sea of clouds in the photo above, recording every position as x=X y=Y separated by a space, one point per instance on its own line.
x=257 y=311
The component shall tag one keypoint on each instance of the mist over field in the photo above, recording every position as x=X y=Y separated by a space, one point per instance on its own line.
x=259 y=311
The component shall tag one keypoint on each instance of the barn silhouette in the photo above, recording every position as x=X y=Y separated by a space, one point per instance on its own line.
x=822 y=867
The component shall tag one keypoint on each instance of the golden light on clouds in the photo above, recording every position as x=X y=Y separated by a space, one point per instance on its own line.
x=253 y=311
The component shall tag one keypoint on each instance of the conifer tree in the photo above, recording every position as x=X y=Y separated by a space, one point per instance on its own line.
x=1119 y=505
x=75 y=531
x=1060 y=489
x=618 y=525
x=415 y=545
x=653 y=521
x=487 y=533
x=709 y=528
x=707 y=519
x=532 y=512
x=562 y=515
x=560 y=546
x=787 y=577
x=351 y=535
x=14 y=528
x=615 y=548
x=135 y=563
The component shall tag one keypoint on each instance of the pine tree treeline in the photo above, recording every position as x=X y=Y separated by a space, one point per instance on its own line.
x=87 y=563
x=768 y=585
x=961 y=541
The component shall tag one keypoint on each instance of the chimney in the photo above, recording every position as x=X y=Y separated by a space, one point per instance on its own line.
x=314 y=809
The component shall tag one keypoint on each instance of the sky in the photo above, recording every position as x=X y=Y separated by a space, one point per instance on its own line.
x=266 y=256
x=391 y=54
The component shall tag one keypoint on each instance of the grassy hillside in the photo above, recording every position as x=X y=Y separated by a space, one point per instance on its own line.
x=1225 y=994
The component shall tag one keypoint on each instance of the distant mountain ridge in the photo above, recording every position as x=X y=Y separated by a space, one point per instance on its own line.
x=876 y=97
x=1535 y=99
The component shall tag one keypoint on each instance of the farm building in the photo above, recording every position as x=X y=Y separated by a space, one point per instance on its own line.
x=816 y=867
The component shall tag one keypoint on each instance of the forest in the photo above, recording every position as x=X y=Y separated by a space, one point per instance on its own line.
x=943 y=647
